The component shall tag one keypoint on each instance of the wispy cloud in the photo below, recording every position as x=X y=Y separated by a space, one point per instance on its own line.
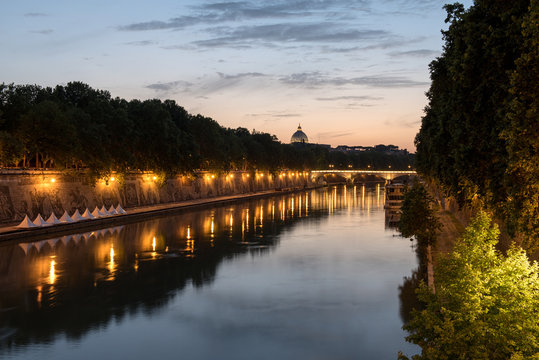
x=42 y=32
x=206 y=85
x=221 y=12
x=334 y=134
x=422 y=53
x=350 y=98
x=317 y=80
x=240 y=75
x=275 y=115
x=170 y=87
x=141 y=43
x=291 y=32
x=35 y=14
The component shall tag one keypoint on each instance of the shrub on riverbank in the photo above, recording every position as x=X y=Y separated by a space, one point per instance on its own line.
x=418 y=219
x=485 y=305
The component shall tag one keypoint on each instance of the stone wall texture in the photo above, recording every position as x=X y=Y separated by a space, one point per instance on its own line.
x=43 y=192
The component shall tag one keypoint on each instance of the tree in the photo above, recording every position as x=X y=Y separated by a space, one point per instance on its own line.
x=485 y=305
x=417 y=217
x=522 y=137
x=478 y=138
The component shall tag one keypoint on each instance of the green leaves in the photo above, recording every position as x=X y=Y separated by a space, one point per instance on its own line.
x=485 y=305
x=418 y=219
x=479 y=138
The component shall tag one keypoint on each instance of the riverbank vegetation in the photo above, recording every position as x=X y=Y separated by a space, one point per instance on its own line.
x=418 y=218
x=75 y=126
x=485 y=304
x=479 y=138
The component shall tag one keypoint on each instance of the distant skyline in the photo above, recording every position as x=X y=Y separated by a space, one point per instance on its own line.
x=351 y=72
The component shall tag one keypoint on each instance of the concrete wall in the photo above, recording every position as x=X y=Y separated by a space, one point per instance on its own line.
x=33 y=192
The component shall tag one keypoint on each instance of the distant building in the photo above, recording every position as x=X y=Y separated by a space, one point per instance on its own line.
x=299 y=137
x=386 y=149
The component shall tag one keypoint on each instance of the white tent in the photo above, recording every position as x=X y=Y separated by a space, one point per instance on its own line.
x=87 y=214
x=26 y=223
x=66 y=218
x=119 y=210
x=104 y=211
x=96 y=213
x=39 y=221
x=112 y=210
x=77 y=216
x=53 y=220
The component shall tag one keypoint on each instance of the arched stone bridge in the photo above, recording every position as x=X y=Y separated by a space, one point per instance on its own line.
x=350 y=175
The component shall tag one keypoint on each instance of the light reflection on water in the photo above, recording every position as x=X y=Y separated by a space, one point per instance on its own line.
x=309 y=275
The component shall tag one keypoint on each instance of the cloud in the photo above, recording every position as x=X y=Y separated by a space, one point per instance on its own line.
x=43 y=32
x=291 y=32
x=317 y=80
x=205 y=85
x=170 y=87
x=221 y=12
x=422 y=53
x=334 y=134
x=348 y=98
x=35 y=14
x=141 y=43
x=240 y=75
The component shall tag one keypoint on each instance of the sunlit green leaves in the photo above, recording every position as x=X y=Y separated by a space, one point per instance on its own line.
x=485 y=305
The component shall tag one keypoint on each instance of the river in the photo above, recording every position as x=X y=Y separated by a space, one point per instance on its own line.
x=310 y=275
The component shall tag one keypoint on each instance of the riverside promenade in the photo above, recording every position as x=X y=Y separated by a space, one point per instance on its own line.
x=12 y=232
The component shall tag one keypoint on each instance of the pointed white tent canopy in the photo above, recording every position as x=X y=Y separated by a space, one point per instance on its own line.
x=119 y=210
x=53 y=220
x=26 y=247
x=77 y=216
x=26 y=223
x=112 y=210
x=39 y=221
x=66 y=218
x=96 y=213
x=104 y=211
x=87 y=214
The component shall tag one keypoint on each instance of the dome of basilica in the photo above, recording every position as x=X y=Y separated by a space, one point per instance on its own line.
x=299 y=136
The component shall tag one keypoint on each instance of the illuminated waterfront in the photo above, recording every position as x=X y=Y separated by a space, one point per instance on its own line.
x=311 y=275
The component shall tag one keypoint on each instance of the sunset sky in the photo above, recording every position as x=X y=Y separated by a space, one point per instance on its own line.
x=351 y=72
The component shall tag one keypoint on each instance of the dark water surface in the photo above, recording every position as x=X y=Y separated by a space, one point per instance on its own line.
x=313 y=275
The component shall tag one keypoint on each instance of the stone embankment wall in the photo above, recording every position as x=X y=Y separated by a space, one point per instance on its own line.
x=43 y=192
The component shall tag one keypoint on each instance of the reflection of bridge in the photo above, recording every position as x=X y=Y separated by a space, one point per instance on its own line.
x=350 y=174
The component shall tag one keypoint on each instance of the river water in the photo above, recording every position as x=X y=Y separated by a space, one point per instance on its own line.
x=311 y=275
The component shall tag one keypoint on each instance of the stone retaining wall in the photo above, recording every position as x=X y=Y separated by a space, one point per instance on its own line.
x=43 y=192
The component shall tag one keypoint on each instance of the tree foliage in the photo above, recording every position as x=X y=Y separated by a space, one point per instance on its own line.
x=479 y=137
x=418 y=219
x=485 y=305
x=78 y=126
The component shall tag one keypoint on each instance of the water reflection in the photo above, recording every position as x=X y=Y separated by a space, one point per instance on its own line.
x=81 y=282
